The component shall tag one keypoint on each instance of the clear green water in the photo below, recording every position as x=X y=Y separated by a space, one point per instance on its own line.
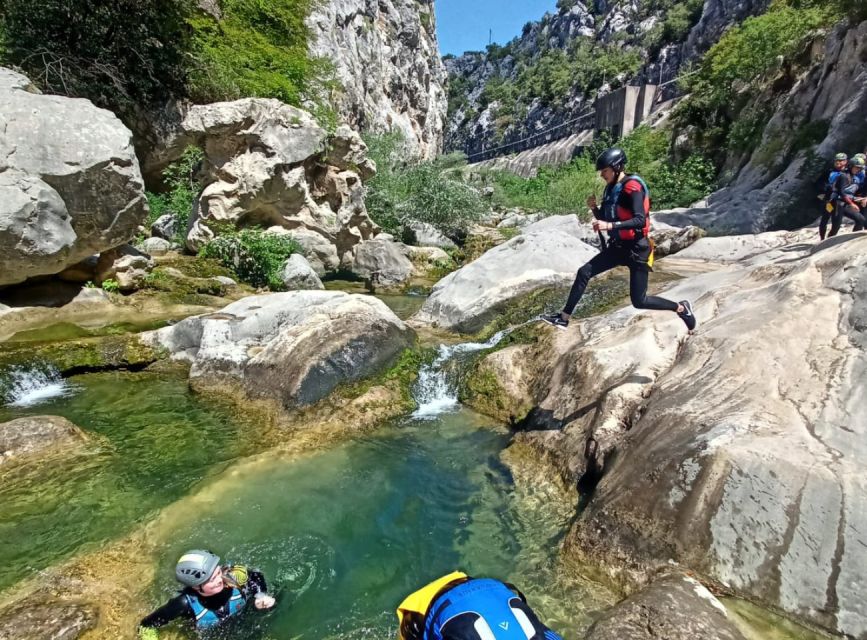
x=152 y=441
x=345 y=534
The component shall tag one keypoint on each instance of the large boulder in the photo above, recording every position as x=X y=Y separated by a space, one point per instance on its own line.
x=422 y=234
x=320 y=253
x=383 y=264
x=28 y=437
x=298 y=274
x=674 y=607
x=268 y=164
x=293 y=347
x=549 y=256
x=740 y=451
x=70 y=185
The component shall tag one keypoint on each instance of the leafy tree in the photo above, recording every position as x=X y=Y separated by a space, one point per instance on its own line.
x=118 y=54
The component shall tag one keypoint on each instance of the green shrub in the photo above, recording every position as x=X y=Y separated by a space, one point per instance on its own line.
x=404 y=190
x=126 y=54
x=254 y=256
x=257 y=49
x=110 y=286
x=182 y=189
x=564 y=189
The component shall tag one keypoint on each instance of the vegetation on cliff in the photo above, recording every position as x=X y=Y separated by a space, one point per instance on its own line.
x=132 y=54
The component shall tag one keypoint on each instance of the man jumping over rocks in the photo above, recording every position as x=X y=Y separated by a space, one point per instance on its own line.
x=625 y=215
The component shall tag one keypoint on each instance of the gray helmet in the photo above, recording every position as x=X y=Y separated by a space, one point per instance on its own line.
x=613 y=157
x=195 y=567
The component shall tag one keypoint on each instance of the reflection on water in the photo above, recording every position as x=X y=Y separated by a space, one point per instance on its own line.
x=345 y=534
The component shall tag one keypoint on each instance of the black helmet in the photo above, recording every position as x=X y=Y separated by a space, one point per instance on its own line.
x=613 y=157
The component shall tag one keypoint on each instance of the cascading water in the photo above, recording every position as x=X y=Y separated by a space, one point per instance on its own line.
x=436 y=390
x=29 y=386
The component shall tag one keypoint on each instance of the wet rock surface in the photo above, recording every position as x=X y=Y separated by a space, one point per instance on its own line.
x=674 y=607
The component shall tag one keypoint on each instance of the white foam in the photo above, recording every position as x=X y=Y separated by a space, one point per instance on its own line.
x=27 y=387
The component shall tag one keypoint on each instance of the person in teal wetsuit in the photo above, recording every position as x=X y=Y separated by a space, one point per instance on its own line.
x=211 y=594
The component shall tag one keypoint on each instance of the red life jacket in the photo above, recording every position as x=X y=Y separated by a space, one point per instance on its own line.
x=614 y=212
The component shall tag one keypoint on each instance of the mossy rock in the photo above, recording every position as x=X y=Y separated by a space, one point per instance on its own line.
x=195 y=266
x=400 y=376
x=483 y=392
x=81 y=356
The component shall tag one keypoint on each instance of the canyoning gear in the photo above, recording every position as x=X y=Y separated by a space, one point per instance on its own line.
x=209 y=618
x=195 y=567
x=412 y=611
x=236 y=576
x=613 y=157
x=858 y=161
x=624 y=204
x=840 y=157
x=463 y=608
x=204 y=611
x=555 y=320
x=687 y=315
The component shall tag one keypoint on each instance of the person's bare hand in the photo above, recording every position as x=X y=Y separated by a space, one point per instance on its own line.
x=263 y=601
x=591 y=201
x=602 y=225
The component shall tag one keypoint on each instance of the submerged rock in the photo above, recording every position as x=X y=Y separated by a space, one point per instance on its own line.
x=39 y=620
x=31 y=436
x=293 y=347
x=70 y=184
x=674 y=607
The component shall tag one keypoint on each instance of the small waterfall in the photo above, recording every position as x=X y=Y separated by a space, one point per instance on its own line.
x=436 y=390
x=29 y=386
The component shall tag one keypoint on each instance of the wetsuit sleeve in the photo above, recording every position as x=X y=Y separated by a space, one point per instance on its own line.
x=634 y=194
x=175 y=608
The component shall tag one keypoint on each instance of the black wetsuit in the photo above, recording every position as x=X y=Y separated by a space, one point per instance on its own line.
x=633 y=253
x=179 y=606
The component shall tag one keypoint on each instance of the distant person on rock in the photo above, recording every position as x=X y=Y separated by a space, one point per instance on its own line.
x=211 y=594
x=457 y=607
x=858 y=169
x=625 y=215
x=840 y=195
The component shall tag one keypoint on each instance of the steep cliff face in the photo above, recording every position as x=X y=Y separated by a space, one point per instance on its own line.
x=552 y=72
x=775 y=184
x=386 y=57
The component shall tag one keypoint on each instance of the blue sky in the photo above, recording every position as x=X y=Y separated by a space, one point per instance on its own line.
x=463 y=25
